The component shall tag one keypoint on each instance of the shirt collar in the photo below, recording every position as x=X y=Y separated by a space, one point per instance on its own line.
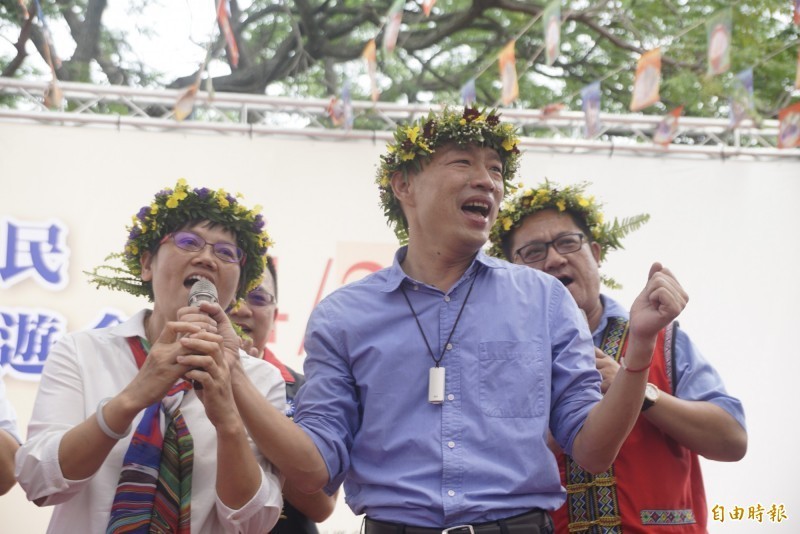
x=611 y=308
x=132 y=327
x=396 y=275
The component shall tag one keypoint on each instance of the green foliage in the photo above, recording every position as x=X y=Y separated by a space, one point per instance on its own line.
x=307 y=48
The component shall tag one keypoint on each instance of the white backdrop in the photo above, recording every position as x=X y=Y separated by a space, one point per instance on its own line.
x=725 y=228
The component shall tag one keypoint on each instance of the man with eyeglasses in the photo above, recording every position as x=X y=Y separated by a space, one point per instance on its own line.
x=655 y=484
x=256 y=315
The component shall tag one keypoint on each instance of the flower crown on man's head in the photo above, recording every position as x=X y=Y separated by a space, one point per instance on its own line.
x=417 y=142
x=571 y=199
x=171 y=210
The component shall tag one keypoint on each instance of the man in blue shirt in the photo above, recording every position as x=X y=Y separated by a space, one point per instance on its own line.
x=432 y=384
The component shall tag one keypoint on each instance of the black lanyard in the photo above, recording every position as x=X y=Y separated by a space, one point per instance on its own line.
x=422 y=332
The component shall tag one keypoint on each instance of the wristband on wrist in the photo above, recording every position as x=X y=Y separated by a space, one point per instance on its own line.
x=101 y=421
x=624 y=365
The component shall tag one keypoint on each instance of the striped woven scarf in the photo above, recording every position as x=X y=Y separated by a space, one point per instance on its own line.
x=154 y=490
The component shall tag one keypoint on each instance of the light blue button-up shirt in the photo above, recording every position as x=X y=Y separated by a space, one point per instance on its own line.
x=520 y=362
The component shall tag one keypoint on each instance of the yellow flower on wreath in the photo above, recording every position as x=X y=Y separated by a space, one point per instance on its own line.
x=569 y=199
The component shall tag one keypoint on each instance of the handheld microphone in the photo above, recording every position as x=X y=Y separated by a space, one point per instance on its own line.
x=202 y=291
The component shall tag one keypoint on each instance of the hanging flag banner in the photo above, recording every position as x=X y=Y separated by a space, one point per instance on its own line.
x=52 y=59
x=590 y=95
x=741 y=100
x=647 y=80
x=427 y=5
x=718 y=29
x=25 y=14
x=797 y=12
x=371 y=57
x=185 y=103
x=508 y=73
x=53 y=96
x=551 y=18
x=468 y=93
x=392 y=29
x=223 y=16
x=341 y=111
x=667 y=128
x=789 y=128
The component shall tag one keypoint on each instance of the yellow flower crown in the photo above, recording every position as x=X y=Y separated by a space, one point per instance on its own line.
x=571 y=199
x=417 y=142
x=173 y=209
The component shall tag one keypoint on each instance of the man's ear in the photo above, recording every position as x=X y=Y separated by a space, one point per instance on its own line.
x=595 y=248
x=401 y=185
x=146 y=262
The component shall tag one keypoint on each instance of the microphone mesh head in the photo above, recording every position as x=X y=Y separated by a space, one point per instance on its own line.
x=202 y=290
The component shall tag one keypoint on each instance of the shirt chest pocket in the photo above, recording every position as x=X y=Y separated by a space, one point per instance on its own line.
x=513 y=382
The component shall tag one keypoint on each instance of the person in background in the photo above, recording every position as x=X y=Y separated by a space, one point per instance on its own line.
x=432 y=384
x=655 y=484
x=9 y=440
x=256 y=315
x=119 y=440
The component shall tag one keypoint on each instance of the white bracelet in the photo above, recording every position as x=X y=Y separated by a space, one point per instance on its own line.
x=101 y=421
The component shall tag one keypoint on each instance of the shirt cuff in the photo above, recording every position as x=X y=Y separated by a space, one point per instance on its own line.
x=260 y=513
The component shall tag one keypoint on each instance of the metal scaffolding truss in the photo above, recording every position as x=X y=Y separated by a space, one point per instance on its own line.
x=259 y=115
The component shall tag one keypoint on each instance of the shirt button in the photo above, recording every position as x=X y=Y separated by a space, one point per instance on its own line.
x=449 y=346
x=416 y=287
x=451 y=397
x=451 y=444
x=451 y=493
x=447 y=298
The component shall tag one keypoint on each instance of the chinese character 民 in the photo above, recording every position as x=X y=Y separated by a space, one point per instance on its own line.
x=36 y=250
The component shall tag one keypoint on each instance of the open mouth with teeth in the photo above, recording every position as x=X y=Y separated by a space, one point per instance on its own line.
x=478 y=208
x=190 y=281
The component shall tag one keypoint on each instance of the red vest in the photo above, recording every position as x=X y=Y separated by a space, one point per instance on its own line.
x=655 y=484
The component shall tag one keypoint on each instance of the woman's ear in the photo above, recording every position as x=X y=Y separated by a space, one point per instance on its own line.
x=146 y=262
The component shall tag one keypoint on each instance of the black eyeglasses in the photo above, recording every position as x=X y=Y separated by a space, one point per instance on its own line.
x=260 y=298
x=227 y=252
x=536 y=251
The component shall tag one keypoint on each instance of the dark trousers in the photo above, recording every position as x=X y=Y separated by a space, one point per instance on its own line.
x=533 y=522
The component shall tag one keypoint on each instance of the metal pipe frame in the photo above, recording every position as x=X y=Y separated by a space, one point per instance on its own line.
x=260 y=115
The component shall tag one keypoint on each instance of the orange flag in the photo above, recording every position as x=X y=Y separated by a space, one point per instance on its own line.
x=392 y=29
x=370 y=55
x=648 y=78
x=668 y=127
x=185 y=103
x=427 y=5
x=789 y=127
x=227 y=31
x=508 y=73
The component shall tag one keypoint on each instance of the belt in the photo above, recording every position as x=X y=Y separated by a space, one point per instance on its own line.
x=533 y=522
